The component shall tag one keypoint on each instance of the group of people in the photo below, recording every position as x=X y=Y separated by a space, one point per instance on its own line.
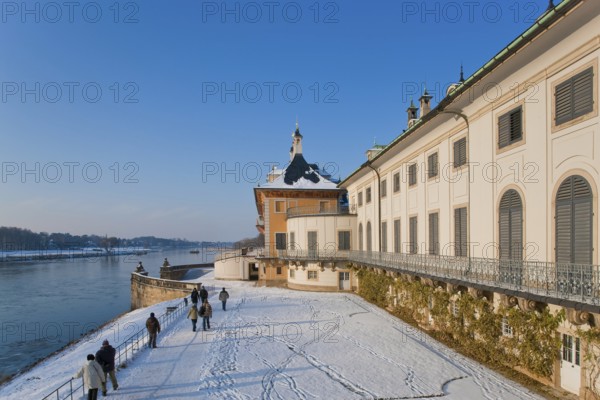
x=205 y=310
x=102 y=365
x=96 y=370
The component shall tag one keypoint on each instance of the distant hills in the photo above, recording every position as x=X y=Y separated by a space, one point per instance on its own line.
x=12 y=238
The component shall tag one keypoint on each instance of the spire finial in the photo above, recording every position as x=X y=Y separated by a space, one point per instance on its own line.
x=462 y=76
x=374 y=141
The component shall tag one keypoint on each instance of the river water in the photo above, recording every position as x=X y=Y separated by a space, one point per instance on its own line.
x=46 y=304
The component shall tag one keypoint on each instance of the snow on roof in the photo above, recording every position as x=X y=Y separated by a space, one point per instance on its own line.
x=300 y=175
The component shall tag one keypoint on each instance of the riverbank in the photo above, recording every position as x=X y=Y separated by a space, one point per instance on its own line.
x=274 y=342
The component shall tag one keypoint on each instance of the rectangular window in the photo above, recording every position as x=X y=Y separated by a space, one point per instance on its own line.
x=412 y=174
x=413 y=247
x=432 y=165
x=434 y=242
x=312 y=275
x=359 y=199
x=384 y=236
x=574 y=97
x=292 y=240
x=455 y=308
x=368 y=195
x=279 y=206
x=567 y=348
x=396 y=182
x=278 y=270
x=397 y=242
x=507 y=330
x=323 y=206
x=460 y=152
x=343 y=240
x=383 y=188
x=460 y=232
x=292 y=273
x=280 y=242
x=510 y=127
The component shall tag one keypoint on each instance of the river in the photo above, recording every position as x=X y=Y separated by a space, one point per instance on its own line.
x=44 y=305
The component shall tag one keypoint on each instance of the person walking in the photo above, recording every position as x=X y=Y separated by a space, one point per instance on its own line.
x=153 y=327
x=93 y=377
x=203 y=294
x=193 y=315
x=194 y=296
x=206 y=313
x=106 y=358
x=223 y=296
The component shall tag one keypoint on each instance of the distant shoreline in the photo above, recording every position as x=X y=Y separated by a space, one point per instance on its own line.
x=37 y=255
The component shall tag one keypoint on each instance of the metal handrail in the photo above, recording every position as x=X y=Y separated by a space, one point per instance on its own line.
x=320 y=210
x=565 y=281
x=124 y=352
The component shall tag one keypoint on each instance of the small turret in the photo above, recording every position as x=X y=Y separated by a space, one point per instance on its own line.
x=411 y=113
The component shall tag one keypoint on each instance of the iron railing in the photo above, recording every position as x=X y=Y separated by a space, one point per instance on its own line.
x=124 y=352
x=320 y=210
x=575 y=282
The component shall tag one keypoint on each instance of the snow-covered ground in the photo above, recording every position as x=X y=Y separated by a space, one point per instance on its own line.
x=279 y=344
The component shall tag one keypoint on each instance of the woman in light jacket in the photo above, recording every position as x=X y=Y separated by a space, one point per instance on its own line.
x=93 y=377
x=193 y=315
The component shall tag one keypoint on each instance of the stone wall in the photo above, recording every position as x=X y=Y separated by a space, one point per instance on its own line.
x=177 y=272
x=146 y=291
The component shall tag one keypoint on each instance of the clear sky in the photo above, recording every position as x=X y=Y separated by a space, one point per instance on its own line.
x=150 y=117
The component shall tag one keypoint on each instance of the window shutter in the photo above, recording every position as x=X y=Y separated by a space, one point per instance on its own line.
x=504 y=130
x=460 y=152
x=384 y=236
x=360 y=237
x=433 y=234
x=583 y=93
x=413 y=235
x=460 y=232
x=563 y=102
x=574 y=221
x=574 y=97
x=369 y=237
x=397 y=236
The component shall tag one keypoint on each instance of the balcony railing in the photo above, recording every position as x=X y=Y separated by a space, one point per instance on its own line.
x=574 y=282
x=320 y=210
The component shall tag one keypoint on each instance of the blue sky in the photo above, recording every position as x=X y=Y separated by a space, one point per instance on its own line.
x=158 y=118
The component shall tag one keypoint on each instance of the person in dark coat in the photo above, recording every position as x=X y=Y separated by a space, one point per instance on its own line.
x=92 y=376
x=203 y=294
x=194 y=296
x=153 y=327
x=223 y=296
x=206 y=313
x=106 y=358
x=193 y=315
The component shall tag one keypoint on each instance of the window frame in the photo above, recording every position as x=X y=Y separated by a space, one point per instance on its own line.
x=568 y=77
x=368 y=195
x=383 y=188
x=462 y=154
x=340 y=242
x=312 y=275
x=360 y=198
x=277 y=242
x=412 y=175
x=396 y=182
x=277 y=202
x=511 y=142
x=432 y=173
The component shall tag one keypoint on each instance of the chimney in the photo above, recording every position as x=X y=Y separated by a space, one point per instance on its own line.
x=425 y=103
x=412 y=113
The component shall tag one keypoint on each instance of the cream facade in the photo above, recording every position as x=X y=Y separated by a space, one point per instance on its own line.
x=502 y=177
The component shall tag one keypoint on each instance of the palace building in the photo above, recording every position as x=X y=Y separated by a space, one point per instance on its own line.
x=491 y=195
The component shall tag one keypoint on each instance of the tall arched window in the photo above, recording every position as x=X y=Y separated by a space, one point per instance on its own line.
x=574 y=236
x=369 y=237
x=574 y=221
x=360 y=237
x=510 y=223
